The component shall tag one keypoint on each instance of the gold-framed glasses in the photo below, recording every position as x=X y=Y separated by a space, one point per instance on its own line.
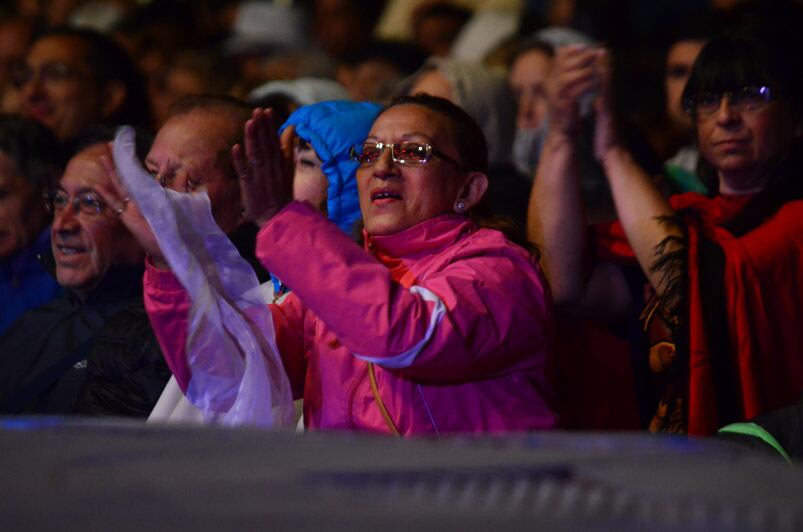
x=403 y=153
x=88 y=202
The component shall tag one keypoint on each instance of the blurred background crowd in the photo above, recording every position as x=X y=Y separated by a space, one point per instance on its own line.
x=368 y=48
x=67 y=66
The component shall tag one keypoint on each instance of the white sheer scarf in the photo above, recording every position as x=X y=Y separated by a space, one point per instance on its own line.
x=237 y=374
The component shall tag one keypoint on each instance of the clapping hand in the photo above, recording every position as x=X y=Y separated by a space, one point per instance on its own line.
x=265 y=172
x=115 y=195
x=576 y=73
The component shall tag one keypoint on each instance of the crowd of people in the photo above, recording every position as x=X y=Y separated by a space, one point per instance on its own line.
x=419 y=218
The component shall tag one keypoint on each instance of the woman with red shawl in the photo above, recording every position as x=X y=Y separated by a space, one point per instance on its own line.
x=726 y=321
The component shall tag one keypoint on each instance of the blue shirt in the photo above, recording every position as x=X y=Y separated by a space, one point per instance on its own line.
x=24 y=283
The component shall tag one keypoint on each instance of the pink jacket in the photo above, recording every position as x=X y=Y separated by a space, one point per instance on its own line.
x=455 y=320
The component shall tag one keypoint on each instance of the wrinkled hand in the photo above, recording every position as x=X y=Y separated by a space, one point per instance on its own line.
x=575 y=73
x=265 y=172
x=116 y=196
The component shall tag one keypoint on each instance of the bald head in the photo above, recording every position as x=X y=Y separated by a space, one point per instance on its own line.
x=192 y=152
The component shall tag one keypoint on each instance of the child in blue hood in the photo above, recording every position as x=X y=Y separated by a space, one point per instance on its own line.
x=321 y=135
x=324 y=175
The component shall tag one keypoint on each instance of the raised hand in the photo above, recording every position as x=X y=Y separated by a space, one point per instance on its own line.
x=605 y=136
x=116 y=196
x=266 y=174
x=575 y=73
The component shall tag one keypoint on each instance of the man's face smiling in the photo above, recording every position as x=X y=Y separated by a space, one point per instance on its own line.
x=85 y=245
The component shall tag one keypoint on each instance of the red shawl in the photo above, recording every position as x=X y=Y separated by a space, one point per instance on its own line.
x=596 y=388
x=763 y=309
x=758 y=309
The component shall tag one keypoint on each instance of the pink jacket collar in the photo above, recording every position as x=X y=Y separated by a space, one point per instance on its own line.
x=425 y=237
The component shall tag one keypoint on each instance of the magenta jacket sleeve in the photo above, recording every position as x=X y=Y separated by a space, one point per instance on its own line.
x=479 y=314
x=168 y=305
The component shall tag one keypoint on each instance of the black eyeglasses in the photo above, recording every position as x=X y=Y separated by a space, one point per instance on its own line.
x=88 y=202
x=403 y=153
x=745 y=99
x=22 y=74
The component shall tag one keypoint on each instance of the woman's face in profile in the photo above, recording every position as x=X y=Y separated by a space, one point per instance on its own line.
x=309 y=181
x=394 y=197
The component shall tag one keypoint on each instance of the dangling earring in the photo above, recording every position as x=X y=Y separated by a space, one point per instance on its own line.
x=460 y=206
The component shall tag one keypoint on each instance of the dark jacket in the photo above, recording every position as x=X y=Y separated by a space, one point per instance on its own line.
x=125 y=372
x=43 y=354
x=771 y=431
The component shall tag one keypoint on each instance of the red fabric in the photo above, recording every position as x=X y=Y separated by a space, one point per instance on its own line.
x=763 y=282
x=611 y=244
x=399 y=272
x=594 y=377
x=594 y=371
x=763 y=287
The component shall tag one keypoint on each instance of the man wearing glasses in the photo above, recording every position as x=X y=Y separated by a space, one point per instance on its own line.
x=190 y=154
x=42 y=367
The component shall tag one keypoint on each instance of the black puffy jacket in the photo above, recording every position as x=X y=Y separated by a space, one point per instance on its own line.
x=125 y=371
x=43 y=354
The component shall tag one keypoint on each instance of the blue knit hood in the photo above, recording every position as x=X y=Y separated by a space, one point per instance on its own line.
x=332 y=128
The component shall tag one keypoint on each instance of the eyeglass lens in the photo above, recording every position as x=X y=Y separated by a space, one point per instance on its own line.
x=401 y=152
x=87 y=203
x=48 y=73
x=748 y=98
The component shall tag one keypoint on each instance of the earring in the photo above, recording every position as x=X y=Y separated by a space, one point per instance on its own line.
x=460 y=206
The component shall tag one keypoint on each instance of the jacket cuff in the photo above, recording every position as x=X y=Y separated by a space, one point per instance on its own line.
x=164 y=280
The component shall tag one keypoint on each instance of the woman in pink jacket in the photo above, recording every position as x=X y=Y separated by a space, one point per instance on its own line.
x=437 y=325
